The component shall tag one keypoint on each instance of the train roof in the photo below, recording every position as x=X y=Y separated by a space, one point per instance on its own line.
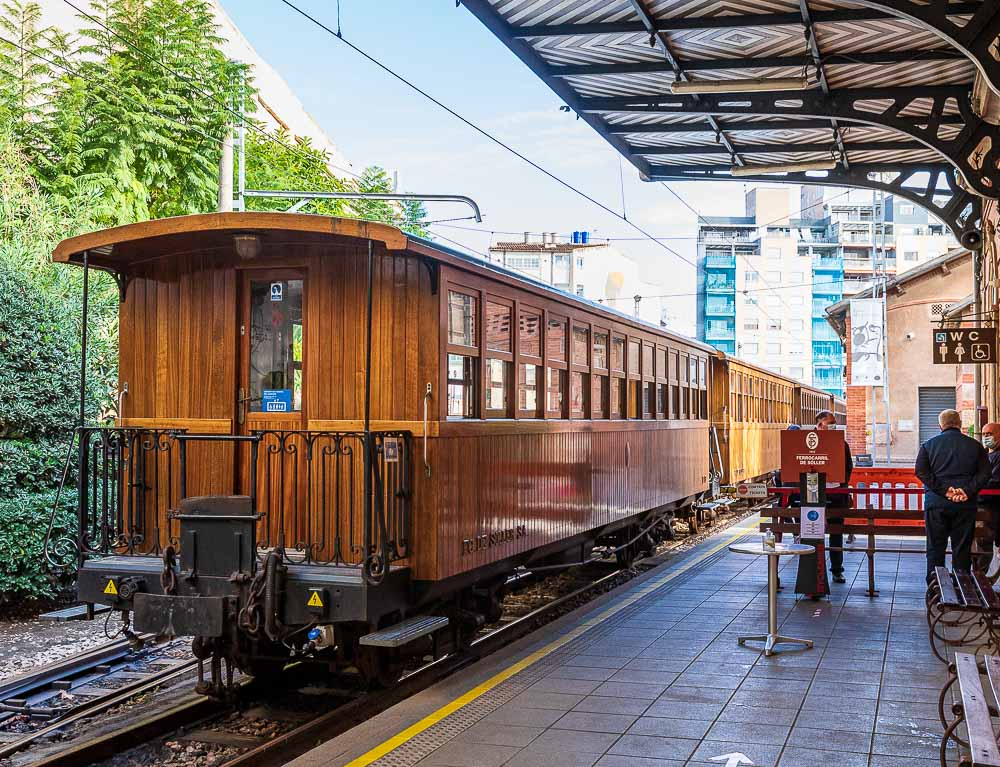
x=121 y=247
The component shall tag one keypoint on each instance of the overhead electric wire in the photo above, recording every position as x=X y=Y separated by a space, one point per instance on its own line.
x=194 y=84
x=482 y=131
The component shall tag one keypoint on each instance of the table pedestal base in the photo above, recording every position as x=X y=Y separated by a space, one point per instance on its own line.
x=770 y=640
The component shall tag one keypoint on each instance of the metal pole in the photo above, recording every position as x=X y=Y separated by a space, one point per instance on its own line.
x=83 y=339
x=977 y=310
x=241 y=179
x=885 y=344
x=226 y=173
x=367 y=528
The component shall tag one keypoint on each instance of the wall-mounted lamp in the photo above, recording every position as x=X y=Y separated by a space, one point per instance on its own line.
x=247 y=246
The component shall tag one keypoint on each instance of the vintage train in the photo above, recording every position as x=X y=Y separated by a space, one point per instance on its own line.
x=335 y=438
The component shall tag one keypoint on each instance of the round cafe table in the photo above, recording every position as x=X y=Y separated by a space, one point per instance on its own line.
x=758 y=549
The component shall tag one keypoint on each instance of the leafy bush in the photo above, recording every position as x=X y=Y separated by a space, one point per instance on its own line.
x=24 y=519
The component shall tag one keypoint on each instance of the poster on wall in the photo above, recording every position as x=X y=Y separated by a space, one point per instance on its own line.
x=867 y=342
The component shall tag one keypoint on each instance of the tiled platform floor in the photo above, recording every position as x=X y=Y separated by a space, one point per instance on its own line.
x=662 y=682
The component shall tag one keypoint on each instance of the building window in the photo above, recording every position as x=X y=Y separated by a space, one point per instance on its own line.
x=774 y=278
x=773 y=348
x=497 y=327
x=751 y=276
x=772 y=300
x=796 y=300
x=796 y=278
x=560 y=269
x=796 y=373
x=906 y=210
x=774 y=324
x=774 y=253
x=749 y=300
x=751 y=323
x=601 y=351
x=461 y=386
x=910 y=255
x=579 y=289
x=523 y=263
x=750 y=348
x=796 y=349
x=531 y=334
x=527 y=390
x=556 y=393
x=796 y=325
x=461 y=319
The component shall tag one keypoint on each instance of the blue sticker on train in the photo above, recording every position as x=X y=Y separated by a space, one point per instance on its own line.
x=277 y=400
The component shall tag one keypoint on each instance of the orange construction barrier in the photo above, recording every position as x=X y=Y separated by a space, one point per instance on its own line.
x=872 y=479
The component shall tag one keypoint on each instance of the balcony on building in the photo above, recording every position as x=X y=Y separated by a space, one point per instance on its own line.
x=824 y=263
x=720 y=331
x=720 y=306
x=720 y=283
x=819 y=306
x=720 y=261
x=821 y=331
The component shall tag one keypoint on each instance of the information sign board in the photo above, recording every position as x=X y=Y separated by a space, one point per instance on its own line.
x=965 y=346
x=813 y=452
x=751 y=490
x=277 y=400
x=812 y=523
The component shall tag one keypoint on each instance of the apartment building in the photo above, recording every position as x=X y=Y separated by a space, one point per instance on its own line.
x=766 y=278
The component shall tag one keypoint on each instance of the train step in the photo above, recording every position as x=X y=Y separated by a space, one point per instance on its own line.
x=74 y=613
x=405 y=632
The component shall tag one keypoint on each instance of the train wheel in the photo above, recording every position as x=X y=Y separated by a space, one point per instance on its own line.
x=626 y=556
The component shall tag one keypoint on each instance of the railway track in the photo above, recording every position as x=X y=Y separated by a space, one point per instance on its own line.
x=265 y=731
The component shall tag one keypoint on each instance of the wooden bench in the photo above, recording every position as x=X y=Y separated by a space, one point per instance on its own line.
x=972 y=709
x=966 y=603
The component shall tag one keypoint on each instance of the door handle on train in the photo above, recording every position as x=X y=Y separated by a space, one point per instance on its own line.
x=427 y=398
x=121 y=393
x=241 y=405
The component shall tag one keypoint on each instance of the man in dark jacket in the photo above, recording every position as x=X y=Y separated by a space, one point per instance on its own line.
x=836 y=504
x=991 y=441
x=953 y=468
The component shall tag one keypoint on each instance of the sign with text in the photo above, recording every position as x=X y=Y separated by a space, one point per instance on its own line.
x=277 y=400
x=821 y=452
x=867 y=344
x=965 y=346
x=751 y=490
x=812 y=523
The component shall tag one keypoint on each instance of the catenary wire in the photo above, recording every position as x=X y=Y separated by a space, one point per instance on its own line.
x=482 y=131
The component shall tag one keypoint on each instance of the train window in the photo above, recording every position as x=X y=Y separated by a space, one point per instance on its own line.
x=579 y=394
x=555 y=339
x=599 y=397
x=461 y=319
x=555 y=403
x=633 y=357
x=661 y=364
x=703 y=373
x=461 y=386
x=682 y=368
x=694 y=371
x=617 y=397
x=661 y=400
x=703 y=405
x=672 y=367
x=601 y=351
x=531 y=334
x=650 y=404
x=497 y=327
x=497 y=388
x=581 y=345
x=618 y=354
x=635 y=400
x=647 y=360
x=275 y=345
x=528 y=386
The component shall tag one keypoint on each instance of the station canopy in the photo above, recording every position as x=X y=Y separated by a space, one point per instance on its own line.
x=897 y=95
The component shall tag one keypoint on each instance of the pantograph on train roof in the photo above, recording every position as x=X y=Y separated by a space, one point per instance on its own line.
x=887 y=94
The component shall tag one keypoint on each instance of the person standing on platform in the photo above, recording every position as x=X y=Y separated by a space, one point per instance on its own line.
x=991 y=441
x=825 y=420
x=953 y=468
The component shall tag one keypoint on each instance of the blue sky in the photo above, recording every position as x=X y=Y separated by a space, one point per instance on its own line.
x=445 y=50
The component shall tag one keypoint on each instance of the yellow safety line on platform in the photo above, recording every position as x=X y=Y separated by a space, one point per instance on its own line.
x=397 y=740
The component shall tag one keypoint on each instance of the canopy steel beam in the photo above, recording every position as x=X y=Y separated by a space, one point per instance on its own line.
x=817 y=57
x=877 y=10
x=974 y=151
x=860 y=146
x=753 y=125
x=659 y=39
x=978 y=37
x=769 y=62
x=928 y=185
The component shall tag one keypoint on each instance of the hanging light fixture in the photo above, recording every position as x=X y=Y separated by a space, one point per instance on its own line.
x=753 y=85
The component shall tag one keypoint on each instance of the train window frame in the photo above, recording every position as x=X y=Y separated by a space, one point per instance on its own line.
x=538 y=387
x=673 y=406
x=509 y=306
x=648 y=375
x=596 y=332
x=617 y=340
x=551 y=321
x=476 y=297
x=526 y=360
x=472 y=384
x=618 y=378
x=523 y=311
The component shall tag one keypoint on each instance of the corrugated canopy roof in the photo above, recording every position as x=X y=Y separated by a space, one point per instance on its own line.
x=889 y=94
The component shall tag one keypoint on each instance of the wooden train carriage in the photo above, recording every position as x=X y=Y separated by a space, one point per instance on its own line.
x=809 y=401
x=511 y=421
x=750 y=405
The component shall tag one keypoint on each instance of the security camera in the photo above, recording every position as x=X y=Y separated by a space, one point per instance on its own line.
x=910 y=336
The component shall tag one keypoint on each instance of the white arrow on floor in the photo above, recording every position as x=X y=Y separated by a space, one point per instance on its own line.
x=733 y=760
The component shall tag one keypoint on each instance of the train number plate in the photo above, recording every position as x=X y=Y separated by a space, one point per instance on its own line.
x=179 y=616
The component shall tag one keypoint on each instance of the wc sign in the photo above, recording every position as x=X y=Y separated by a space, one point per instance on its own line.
x=965 y=346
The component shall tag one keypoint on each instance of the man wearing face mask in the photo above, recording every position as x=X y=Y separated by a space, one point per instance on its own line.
x=991 y=441
x=836 y=503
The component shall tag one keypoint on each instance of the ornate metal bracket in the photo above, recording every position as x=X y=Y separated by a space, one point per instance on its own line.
x=931 y=186
x=973 y=148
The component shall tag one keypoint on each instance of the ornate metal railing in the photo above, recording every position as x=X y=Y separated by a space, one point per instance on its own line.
x=309 y=488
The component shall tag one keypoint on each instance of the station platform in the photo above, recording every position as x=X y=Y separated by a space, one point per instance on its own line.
x=650 y=675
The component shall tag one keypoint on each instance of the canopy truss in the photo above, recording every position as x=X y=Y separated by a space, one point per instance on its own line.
x=895 y=91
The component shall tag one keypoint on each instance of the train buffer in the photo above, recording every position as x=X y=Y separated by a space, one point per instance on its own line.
x=405 y=632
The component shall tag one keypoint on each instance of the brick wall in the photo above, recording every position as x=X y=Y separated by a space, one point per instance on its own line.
x=857 y=405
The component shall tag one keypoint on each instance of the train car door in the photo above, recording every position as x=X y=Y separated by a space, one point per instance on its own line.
x=271 y=397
